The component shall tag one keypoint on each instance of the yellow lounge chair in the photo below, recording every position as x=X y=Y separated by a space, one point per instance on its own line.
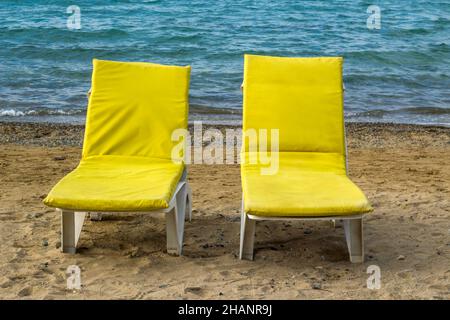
x=303 y=98
x=126 y=163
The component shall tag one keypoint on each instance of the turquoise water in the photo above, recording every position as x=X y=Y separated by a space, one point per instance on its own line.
x=399 y=73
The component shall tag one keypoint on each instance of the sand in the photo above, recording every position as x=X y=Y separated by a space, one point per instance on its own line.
x=403 y=169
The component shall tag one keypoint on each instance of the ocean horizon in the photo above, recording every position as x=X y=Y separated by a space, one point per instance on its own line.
x=399 y=72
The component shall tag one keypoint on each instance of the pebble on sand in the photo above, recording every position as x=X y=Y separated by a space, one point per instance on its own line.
x=34 y=215
x=316 y=286
x=195 y=290
x=401 y=257
x=134 y=252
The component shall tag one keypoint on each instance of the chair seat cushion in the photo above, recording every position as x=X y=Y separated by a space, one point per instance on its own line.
x=117 y=183
x=306 y=184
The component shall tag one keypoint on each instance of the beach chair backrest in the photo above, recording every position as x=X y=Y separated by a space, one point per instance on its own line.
x=134 y=107
x=302 y=97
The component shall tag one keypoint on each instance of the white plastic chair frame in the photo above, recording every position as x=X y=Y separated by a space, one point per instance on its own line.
x=179 y=210
x=353 y=226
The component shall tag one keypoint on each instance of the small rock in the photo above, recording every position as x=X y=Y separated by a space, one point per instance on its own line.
x=316 y=286
x=58 y=244
x=195 y=290
x=45 y=243
x=163 y=286
x=134 y=252
x=307 y=231
x=43 y=266
x=401 y=257
x=34 y=215
x=25 y=292
x=220 y=293
x=59 y=158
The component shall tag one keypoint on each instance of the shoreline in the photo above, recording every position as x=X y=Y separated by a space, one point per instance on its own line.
x=427 y=116
x=213 y=118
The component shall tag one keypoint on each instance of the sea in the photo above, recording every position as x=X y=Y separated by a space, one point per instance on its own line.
x=396 y=53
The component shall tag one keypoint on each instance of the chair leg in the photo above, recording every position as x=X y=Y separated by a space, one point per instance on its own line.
x=247 y=237
x=175 y=223
x=71 y=225
x=354 y=235
x=188 y=216
x=95 y=216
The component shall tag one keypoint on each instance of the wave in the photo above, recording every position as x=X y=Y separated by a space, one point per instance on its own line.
x=41 y=112
x=194 y=109
x=201 y=109
x=399 y=58
x=400 y=32
x=62 y=33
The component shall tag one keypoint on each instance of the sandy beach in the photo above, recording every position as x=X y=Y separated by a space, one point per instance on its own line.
x=403 y=169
